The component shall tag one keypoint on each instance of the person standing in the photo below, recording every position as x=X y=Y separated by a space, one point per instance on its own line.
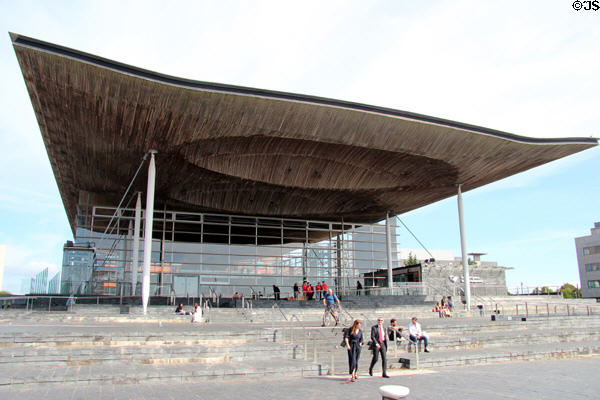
x=296 y=291
x=358 y=288
x=318 y=290
x=309 y=291
x=416 y=334
x=354 y=341
x=378 y=346
x=324 y=287
x=276 y=292
x=331 y=303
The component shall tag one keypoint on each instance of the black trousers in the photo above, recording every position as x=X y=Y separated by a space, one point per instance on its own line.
x=376 y=351
x=353 y=357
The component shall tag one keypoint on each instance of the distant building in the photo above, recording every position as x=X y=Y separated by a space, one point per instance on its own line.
x=2 y=259
x=588 y=258
x=443 y=273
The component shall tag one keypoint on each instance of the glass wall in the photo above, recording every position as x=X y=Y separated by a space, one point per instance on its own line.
x=195 y=253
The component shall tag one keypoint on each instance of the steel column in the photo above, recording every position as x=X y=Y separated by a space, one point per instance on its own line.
x=463 y=248
x=388 y=248
x=136 y=243
x=148 y=231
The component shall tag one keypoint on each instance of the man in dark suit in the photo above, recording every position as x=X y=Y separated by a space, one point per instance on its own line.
x=378 y=346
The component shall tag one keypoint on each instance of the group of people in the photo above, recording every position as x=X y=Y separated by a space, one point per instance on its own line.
x=378 y=343
x=444 y=307
x=196 y=314
x=309 y=292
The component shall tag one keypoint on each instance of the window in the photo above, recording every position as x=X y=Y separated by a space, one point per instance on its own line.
x=591 y=250
x=592 y=267
x=594 y=284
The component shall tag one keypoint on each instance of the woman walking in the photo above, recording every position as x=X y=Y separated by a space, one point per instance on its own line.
x=354 y=341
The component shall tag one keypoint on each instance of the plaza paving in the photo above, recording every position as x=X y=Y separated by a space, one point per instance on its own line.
x=553 y=379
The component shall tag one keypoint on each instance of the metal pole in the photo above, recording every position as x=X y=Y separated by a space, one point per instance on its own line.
x=148 y=231
x=463 y=248
x=388 y=247
x=136 y=243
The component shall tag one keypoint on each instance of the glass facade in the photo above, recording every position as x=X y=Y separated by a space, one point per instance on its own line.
x=77 y=267
x=195 y=253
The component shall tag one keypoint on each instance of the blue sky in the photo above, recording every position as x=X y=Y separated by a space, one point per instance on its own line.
x=528 y=68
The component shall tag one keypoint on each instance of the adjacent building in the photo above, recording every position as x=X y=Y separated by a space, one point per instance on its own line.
x=588 y=259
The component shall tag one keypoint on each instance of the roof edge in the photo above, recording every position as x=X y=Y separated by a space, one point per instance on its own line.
x=24 y=41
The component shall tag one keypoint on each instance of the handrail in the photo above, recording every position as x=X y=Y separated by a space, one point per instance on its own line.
x=330 y=349
x=280 y=310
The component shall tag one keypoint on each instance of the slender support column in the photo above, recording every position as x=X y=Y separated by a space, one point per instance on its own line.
x=388 y=248
x=463 y=248
x=136 y=243
x=148 y=231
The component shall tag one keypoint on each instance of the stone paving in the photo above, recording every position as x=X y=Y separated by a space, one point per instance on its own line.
x=555 y=379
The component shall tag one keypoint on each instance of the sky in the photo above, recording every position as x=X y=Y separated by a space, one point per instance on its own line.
x=528 y=68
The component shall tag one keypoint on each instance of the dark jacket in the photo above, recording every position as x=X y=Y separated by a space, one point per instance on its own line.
x=375 y=337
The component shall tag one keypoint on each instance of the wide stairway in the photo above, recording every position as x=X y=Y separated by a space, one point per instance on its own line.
x=96 y=344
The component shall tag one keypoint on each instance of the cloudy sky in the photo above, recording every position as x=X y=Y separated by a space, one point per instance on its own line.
x=529 y=68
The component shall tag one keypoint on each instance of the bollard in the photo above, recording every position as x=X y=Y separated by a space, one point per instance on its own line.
x=526 y=310
x=517 y=307
x=315 y=351
x=332 y=371
x=568 y=313
x=305 y=348
x=536 y=309
x=548 y=309
x=588 y=310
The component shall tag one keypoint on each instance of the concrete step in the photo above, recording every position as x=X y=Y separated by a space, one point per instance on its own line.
x=101 y=374
x=174 y=354
x=495 y=355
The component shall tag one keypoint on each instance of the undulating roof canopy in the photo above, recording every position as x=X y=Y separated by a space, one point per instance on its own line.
x=247 y=151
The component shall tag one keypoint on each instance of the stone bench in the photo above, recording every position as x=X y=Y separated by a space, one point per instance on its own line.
x=393 y=392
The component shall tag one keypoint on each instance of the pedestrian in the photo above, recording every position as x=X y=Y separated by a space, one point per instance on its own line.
x=378 y=345
x=358 y=288
x=324 y=288
x=354 y=341
x=309 y=291
x=197 y=314
x=319 y=290
x=416 y=334
x=394 y=332
x=332 y=305
x=296 y=291
x=276 y=293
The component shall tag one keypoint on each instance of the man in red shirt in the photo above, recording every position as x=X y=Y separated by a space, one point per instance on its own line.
x=318 y=289
x=378 y=346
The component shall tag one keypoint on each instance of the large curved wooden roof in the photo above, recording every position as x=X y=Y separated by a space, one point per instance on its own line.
x=248 y=151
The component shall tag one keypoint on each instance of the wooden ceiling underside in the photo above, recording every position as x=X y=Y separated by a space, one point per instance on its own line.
x=224 y=149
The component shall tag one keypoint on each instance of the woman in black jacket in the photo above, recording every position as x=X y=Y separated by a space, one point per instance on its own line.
x=354 y=341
